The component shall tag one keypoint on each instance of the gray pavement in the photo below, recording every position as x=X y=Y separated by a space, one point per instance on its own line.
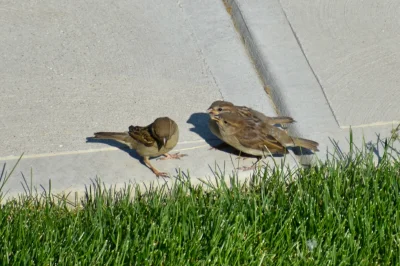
x=70 y=69
x=309 y=54
x=353 y=48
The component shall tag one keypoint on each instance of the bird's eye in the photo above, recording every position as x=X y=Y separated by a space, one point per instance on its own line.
x=225 y=122
x=220 y=109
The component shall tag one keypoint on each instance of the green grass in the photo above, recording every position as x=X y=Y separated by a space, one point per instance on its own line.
x=341 y=212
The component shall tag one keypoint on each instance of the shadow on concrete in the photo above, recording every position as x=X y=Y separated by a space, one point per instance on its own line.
x=118 y=145
x=200 y=123
x=300 y=151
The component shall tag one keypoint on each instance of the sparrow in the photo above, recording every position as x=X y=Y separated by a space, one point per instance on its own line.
x=257 y=137
x=219 y=107
x=153 y=140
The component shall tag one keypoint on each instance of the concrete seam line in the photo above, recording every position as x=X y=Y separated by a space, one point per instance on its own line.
x=78 y=152
x=200 y=50
x=312 y=70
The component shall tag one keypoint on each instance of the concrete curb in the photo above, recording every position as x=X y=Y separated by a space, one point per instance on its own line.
x=236 y=79
x=282 y=65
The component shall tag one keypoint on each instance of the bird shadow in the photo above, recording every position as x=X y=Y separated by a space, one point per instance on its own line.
x=200 y=123
x=118 y=145
x=298 y=151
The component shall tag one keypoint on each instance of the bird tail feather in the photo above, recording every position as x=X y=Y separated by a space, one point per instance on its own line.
x=122 y=137
x=306 y=143
x=282 y=120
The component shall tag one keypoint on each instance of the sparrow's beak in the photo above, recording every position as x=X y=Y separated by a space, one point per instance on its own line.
x=215 y=117
x=209 y=110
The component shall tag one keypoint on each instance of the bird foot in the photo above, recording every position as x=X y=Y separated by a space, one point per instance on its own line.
x=172 y=156
x=160 y=174
x=244 y=158
x=247 y=168
x=153 y=169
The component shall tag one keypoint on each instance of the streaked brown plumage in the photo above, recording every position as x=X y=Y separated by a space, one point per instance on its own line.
x=256 y=137
x=153 y=140
x=219 y=107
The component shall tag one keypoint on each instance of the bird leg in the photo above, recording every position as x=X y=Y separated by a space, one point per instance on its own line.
x=239 y=154
x=152 y=168
x=172 y=156
x=240 y=157
x=252 y=167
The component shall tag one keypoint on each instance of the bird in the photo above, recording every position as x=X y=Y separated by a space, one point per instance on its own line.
x=219 y=107
x=256 y=137
x=153 y=140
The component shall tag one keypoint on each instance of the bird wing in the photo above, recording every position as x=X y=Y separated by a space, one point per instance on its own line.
x=244 y=111
x=254 y=140
x=279 y=134
x=142 y=135
x=248 y=112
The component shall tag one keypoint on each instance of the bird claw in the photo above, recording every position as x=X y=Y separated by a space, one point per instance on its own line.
x=172 y=156
x=161 y=174
x=247 y=168
x=252 y=167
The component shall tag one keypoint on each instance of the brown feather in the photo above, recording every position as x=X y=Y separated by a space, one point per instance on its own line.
x=142 y=135
x=254 y=136
x=306 y=143
x=218 y=107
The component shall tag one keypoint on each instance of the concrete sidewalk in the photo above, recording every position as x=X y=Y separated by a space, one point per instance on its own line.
x=332 y=66
x=70 y=69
